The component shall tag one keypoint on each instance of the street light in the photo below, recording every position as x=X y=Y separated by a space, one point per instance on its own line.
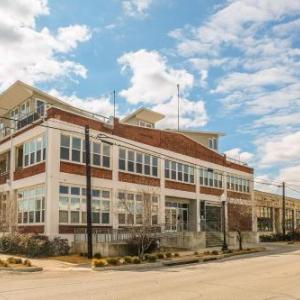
x=225 y=246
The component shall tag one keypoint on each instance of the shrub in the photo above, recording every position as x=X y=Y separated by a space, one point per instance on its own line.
x=113 y=261
x=196 y=253
x=59 y=247
x=128 y=259
x=33 y=245
x=215 y=252
x=11 y=260
x=168 y=254
x=176 y=254
x=27 y=263
x=227 y=251
x=136 y=260
x=99 y=262
x=160 y=255
x=206 y=252
x=152 y=258
x=97 y=255
x=3 y=264
x=279 y=237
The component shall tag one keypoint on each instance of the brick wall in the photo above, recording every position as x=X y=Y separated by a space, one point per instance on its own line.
x=138 y=179
x=37 y=229
x=71 y=168
x=3 y=178
x=172 y=141
x=180 y=186
x=70 y=229
x=211 y=191
x=30 y=171
x=237 y=195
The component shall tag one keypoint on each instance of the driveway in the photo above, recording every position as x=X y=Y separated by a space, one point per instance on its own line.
x=274 y=275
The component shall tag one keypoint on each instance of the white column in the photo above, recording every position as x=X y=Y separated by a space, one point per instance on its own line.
x=115 y=171
x=162 y=206
x=197 y=181
x=52 y=183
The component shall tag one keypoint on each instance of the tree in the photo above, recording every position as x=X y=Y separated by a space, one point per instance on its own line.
x=139 y=211
x=239 y=219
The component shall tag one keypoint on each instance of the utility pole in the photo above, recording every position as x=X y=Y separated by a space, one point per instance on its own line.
x=88 y=193
x=224 y=246
x=178 y=108
x=283 y=208
x=114 y=104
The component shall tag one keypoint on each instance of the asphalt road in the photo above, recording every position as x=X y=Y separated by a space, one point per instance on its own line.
x=274 y=275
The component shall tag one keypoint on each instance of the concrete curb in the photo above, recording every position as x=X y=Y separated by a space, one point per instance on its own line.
x=171 y=263
x=22 y=270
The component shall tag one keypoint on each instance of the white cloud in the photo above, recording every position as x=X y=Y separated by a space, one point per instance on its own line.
x=152 y=80
x=280 y=149
x=101 y=105
x=257 y=80
x=36 y=55
x=280 y=119
x=238 y=154
x=136 y=8
x=192 y=114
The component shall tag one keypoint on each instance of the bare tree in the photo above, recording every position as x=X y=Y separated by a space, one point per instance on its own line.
x=141 y=210
x=239 y=220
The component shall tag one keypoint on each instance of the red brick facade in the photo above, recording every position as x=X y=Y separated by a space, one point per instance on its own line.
x=71 y=168
x=30 y=171
x=172 y=141
x=37 y=229
x=180 y=186
x=237 y=195
x=70 y=229
x=211 y=191
x=3 y=178
x=138 y=179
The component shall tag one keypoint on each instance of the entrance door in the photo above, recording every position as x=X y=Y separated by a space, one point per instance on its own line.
x=213 y=218
x=176 y=216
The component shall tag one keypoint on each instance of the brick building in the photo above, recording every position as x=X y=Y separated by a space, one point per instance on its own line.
x=269 y=213
x=173 y=180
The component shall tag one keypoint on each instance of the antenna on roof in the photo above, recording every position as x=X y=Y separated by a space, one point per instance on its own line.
x=114 y=103
x=178 y=99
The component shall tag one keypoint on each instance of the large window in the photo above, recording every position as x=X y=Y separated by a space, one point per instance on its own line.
x=238 y=184
x=179 y=172
x=31 y=205
x=289 y=219
x=298 y=219
x=137 y=208
x=34 y=151
x=72 y=205
x=72 y=148
x=137 y=162
x=264 y=218
x=211 y=178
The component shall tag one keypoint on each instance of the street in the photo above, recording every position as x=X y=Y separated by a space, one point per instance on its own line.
x=274 y=275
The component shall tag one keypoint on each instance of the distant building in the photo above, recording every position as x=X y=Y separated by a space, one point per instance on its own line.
x=269 y=212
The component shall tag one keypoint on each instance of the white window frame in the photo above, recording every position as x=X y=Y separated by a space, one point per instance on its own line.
x=133 y=160
x=172 y=166
x=103 y=151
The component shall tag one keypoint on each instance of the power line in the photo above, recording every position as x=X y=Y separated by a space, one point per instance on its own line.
x=101 y=136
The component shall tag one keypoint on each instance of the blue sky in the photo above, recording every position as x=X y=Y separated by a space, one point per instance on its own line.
x=237 y=63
